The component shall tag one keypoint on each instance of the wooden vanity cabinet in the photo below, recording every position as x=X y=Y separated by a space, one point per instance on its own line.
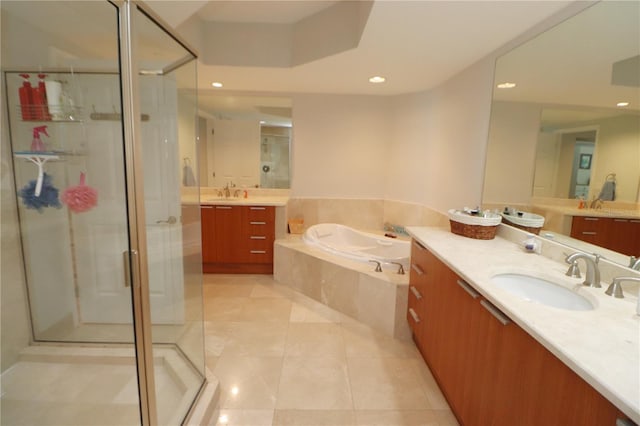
x=237 y=239
x=491 y=371
x=617 y=234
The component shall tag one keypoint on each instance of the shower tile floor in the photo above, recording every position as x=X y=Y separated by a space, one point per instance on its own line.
x=83 y=386
x=284 y=359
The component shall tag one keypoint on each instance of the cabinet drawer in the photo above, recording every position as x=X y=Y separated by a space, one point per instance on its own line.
x=420 y=256
x=259 y=255
x=260 y=214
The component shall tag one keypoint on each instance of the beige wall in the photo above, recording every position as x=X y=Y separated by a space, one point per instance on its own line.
x=340 y=146
x=425 y=148
x=510 y=167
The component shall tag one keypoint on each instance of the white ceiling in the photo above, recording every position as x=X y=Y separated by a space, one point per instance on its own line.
x=416 y=45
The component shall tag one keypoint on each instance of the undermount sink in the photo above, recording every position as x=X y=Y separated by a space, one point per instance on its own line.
x=542 y=291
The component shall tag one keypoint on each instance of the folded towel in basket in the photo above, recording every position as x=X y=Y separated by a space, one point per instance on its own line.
x=608 y=192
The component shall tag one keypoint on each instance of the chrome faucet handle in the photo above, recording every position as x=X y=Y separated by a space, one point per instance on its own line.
x=574 y=270
x=400 y=267
x=378 y=266
x=634 y=263
x=615 y=288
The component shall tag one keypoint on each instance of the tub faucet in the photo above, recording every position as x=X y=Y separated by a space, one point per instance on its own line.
x=378 y=267
x=593 y=272
x=400 y=267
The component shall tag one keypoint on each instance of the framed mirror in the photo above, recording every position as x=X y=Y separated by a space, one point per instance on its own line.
x=565 y=127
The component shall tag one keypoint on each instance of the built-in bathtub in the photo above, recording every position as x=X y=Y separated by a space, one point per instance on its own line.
x=357 y=245
x=330 y=263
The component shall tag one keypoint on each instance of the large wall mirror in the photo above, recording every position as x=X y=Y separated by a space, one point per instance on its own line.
x=568 y=118
x=244 y=140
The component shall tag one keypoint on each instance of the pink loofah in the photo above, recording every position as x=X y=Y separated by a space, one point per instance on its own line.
x=80 y=198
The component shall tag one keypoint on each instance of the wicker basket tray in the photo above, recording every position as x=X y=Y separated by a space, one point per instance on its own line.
x=477 y=227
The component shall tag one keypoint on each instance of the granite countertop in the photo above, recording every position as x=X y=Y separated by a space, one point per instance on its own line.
x=258 y=200
x=602 y=345
x=601 y=212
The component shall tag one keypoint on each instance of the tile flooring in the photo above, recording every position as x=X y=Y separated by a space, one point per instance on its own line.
x=285 y=359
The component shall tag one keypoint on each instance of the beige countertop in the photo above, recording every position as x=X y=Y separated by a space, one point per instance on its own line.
x=602 y=212
x=258 y=200
x=602 y=345
x=249 y=201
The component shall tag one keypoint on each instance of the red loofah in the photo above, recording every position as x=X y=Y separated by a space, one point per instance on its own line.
x=80 y=198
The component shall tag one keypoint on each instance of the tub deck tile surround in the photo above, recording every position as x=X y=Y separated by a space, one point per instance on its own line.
x=378 y=299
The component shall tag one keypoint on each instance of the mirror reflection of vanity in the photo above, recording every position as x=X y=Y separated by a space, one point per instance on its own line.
x=247 y=140
x=563 y=134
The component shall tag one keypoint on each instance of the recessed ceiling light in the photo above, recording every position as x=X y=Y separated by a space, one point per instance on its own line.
x=506 y=85
x=216 y=84
x=622 y=104
x=377 y=79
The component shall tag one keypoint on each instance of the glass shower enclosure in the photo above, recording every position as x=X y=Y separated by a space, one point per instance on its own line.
x=101 y=273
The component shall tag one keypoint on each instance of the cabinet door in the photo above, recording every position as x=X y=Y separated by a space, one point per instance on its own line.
x=459 y=340
x=207 y=217
x=634 y=238
x=230 y=245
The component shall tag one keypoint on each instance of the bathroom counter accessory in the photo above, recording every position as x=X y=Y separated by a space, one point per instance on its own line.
x=577 y=338
x=480 y=227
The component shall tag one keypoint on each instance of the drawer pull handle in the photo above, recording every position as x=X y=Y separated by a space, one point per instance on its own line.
x=504 y=320
x=418 y=269
x=223 y=207
x=257 y=223
x=621 y=220
x=466 y=287
x=589 y=233
x=413 y=314
x=415 y=292
x=258 y=251
x=591 y=218
x=206 y=207
x=258 y=237
x=634 y=221
x=257 y=208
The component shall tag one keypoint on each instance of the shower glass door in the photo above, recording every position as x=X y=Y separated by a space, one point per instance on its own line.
x=167 y=116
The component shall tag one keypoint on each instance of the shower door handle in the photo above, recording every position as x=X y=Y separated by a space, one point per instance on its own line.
x=130 y=257
x=170 y=220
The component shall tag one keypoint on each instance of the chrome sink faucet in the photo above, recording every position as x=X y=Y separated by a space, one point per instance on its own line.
x=593 y=272
x=615 y=289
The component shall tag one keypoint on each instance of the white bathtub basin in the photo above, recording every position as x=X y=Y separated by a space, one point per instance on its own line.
x=357 y=245
x=542 y=291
